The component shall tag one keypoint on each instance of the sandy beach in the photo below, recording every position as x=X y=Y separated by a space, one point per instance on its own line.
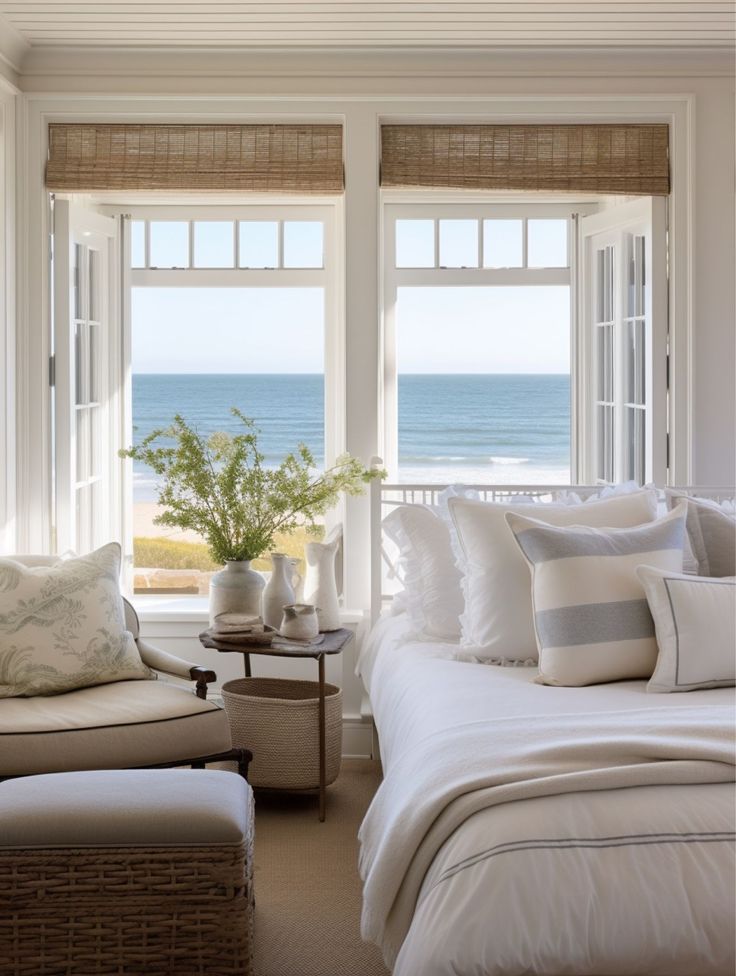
x=143 y=526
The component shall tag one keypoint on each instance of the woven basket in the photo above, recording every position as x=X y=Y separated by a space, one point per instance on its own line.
x=278 y=720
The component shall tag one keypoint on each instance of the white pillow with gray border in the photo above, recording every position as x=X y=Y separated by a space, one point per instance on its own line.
x=695 y=623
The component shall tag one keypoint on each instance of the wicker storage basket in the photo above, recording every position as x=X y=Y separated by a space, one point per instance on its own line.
x=278 y=719
x=105 y=911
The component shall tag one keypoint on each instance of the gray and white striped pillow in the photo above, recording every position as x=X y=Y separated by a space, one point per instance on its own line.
x=591 y=616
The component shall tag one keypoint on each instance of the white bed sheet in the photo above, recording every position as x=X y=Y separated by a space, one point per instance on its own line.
x=605 y=907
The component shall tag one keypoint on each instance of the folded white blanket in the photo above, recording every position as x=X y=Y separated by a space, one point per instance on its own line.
x=431 y=791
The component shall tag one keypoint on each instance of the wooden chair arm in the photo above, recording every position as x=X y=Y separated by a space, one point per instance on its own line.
x=203 y=677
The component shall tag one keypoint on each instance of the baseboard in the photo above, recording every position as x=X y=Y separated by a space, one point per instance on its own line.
x=357 y=739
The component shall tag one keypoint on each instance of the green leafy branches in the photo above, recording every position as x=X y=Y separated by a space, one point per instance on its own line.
x=218 y=487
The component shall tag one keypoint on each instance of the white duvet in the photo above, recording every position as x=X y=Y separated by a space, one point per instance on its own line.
x=528 y=829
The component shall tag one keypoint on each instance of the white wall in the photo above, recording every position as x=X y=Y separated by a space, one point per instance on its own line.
x=7 y=319
x=714 y=280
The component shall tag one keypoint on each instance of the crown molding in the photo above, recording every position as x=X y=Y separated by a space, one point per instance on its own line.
x=45 y=69
x=13 y=49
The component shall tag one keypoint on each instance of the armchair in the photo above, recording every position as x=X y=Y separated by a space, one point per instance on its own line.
x=122 y=725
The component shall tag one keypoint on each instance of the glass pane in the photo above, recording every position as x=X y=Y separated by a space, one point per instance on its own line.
x=414 y=243
x=95 y=435
x=84 y=519
x=213 y=244
x=78 y=261
x=78 y=364
x=635 y=363
x=169 y=244
x=83 y=441
x=93 y=335
x=640 y=284
x=259 y=244
x=483 y=384
x=303 y=244
x=547 y=243
x=600 y=277
x=200 y=351
x=605 y=363
x=605 y=444
x=604 y=285
x=503 y=245
x=138 y=244
x=93 y=285
x=635 y=445
x=458 y=243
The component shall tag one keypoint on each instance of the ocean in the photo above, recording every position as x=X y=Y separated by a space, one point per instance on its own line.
x=483 y=428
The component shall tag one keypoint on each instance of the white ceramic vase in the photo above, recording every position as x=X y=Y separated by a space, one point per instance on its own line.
x=280 y=590
x=320 y=588
x=236 y=589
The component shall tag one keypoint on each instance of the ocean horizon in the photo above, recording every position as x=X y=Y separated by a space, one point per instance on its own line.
x=495 y=428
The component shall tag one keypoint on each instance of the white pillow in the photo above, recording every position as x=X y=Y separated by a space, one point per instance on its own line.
x=62 y=626
x=498 y=618
x=695 y=621
x=591 y=615
x=711 y=532
x=432 y=596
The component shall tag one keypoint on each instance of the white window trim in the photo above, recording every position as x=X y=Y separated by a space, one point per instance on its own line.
x=458 y=207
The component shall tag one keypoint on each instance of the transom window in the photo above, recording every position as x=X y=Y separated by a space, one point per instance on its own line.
x=496 y=242
x=206 y=244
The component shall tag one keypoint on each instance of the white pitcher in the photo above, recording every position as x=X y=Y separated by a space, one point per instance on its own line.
x=280 y=589
x=320 y=587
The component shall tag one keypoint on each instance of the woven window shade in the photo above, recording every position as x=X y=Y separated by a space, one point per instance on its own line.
x=252 y=158
x=631 y=159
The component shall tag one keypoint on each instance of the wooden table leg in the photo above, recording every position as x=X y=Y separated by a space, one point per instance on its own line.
x=246 y=662
x=322 y=736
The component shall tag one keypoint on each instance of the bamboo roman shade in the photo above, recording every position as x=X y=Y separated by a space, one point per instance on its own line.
x=630 y=159
x=251 y=158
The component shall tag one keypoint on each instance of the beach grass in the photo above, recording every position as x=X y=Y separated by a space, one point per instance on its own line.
x=158 y=552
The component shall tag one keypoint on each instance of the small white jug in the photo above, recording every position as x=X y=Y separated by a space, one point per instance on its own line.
x=299 y=622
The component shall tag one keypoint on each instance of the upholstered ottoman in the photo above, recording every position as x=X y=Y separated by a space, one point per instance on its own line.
x=129 y=871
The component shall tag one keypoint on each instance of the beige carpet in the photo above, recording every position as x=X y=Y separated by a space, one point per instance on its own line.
x=308 y=892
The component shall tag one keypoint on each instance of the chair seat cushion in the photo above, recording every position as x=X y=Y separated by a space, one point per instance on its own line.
x=125 y=808
x=128 y=723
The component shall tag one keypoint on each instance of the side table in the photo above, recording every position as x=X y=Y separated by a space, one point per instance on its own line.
x=334 y=642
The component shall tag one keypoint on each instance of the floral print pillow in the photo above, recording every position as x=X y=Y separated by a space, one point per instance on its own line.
x=62 y=627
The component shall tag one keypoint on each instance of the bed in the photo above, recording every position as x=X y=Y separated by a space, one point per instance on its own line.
x=527 y=829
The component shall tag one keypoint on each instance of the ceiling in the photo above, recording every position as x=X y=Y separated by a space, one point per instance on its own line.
x=367 y=24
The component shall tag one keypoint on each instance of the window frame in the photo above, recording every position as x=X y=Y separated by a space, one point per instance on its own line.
x=393 y=278
x=328 y=277
x=616 y=228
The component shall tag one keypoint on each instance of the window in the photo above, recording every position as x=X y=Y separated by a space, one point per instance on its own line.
x=477 y=340
x=231 y=308
x=625 y=308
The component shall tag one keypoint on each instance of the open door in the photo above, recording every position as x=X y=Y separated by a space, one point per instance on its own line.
x=87 y=380
x=623 y=343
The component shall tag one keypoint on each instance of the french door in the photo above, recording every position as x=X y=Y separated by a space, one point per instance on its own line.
x=87 y=379
x=624 y=343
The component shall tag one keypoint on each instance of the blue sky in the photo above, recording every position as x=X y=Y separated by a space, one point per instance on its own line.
x=279 y=330
x=268 y=330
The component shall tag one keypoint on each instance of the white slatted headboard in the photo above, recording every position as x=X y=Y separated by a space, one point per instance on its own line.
x=386 y=496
